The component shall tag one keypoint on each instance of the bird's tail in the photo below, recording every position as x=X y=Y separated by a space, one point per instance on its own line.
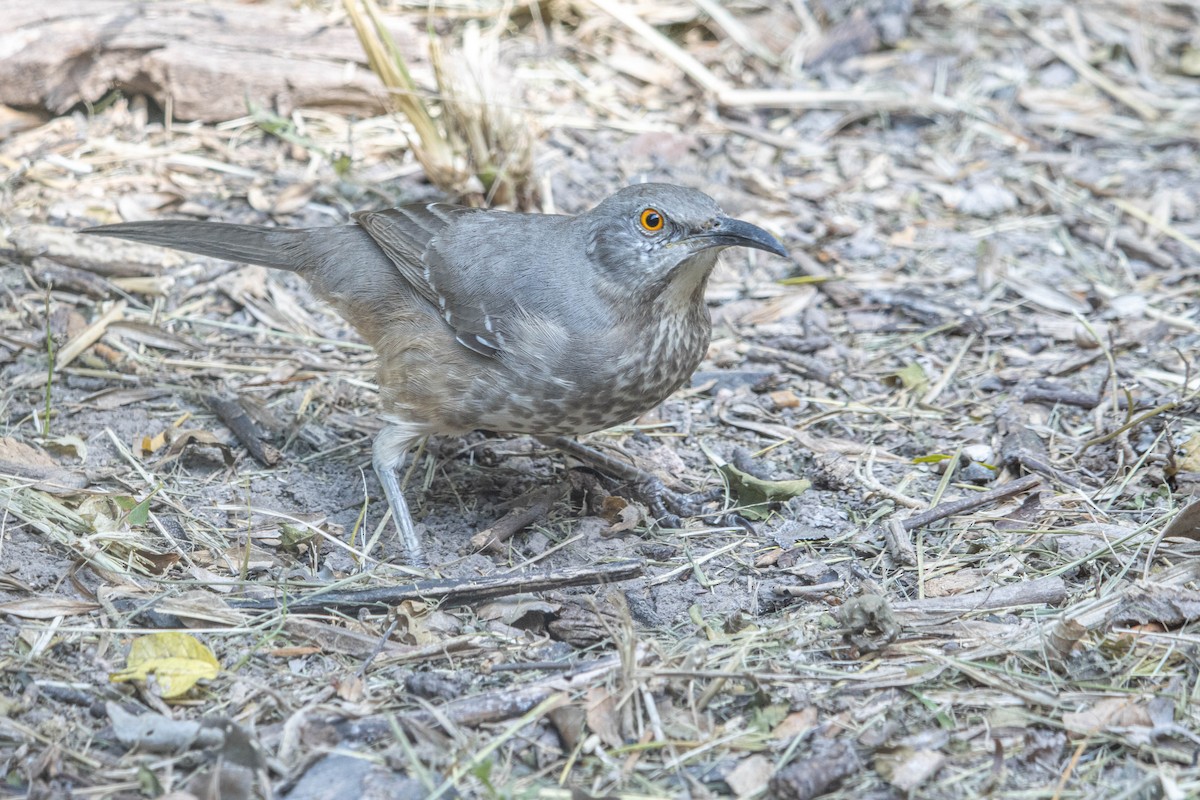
x=281 y=248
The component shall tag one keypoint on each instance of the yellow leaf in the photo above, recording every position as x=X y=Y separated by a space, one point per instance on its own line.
x=1189 y=457
x=152 y=444
x=177 y=661
x=911 y=376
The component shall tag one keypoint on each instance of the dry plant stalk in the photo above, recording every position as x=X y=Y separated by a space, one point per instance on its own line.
x=468 y=143
x=495 y=138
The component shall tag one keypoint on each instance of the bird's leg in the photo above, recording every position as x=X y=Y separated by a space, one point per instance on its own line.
x=667 y=505
x=387 y=454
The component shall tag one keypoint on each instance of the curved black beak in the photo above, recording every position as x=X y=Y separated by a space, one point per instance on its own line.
x=727 y=232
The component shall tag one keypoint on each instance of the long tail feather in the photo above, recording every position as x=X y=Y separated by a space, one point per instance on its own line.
x=281 y=248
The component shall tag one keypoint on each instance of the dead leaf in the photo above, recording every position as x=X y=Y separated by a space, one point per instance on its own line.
x=796 y=723
x=149 y=445
x=1061 y=638
x=1189 y=61
x=411 y=624
x=62 y=444
x=623 y=514
x=243 y=284
x=1186 y=524
x=964 y=580
x=25 y=461
x=330 y=639
x=769 y=558
x=350 y=688
x=293 y=198
x=141 y=206
x=1189 y=456
x=199 y=609
x=152 y=335
x=514 y=610
x=601 y=716
x=910 y=376
x=13 y=121
x=907 y=237
x=1046 y=297
x=184 y=440
x=1110 y=712
x=906 y=768
x=235 y=559
x=1170 y=606
x=568 y=720
x=47 y=607
x=101 y=512
x=750 y=776
x=176 y=660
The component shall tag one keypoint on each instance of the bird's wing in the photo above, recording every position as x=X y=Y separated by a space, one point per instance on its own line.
x=415 y=238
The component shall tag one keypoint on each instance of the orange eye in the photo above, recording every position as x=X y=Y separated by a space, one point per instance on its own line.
x=652 y=220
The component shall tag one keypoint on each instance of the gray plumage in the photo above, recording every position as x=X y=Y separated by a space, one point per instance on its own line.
x=523 y=323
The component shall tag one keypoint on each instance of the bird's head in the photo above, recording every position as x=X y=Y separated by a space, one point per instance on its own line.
x=656 y=237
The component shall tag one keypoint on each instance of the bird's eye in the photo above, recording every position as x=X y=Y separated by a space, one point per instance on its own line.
x=652 y=220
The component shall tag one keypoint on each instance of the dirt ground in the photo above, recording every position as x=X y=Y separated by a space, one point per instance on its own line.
x=982 y=356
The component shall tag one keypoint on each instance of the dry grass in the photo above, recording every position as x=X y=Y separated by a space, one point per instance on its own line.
x=995 y=226
x=470 y=139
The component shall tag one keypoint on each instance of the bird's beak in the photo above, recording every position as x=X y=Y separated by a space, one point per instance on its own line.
x=727 y=232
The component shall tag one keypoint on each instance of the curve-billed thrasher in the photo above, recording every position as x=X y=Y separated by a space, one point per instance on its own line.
x=517 y=323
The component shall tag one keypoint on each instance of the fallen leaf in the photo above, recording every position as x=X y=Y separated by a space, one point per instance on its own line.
x=750 y=776
x=624 y=515
x=1189 y=455
x=1047 y=297
x=910 y=376
x=108 y=399
x=137 y=512
x=63 y=444
x=152 y=444
x=1186 y=524
x=25 y=461
x=601 y=716
x=350 y=688
x=194 y=438
x=47 y=607
x=963 y=580
x=176 y=660
x=1170 y=606
x=515 y=609
x=754 y=494
x=1111 y=712
x=906 y=768
x=796 y=723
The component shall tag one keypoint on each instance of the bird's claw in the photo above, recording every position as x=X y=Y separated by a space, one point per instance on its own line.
x=670 y=507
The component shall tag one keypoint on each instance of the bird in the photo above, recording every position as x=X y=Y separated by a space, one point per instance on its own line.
x=483 y=319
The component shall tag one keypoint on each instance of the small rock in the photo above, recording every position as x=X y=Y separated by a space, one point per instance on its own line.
x=977 y=473
x=986 y=200
x=979 y=453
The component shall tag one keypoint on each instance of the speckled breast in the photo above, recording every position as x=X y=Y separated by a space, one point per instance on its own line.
x=627 y=384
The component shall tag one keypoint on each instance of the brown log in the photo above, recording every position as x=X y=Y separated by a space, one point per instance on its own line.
x=208 y=58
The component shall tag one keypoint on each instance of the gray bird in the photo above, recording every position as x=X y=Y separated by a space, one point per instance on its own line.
x=519 y=323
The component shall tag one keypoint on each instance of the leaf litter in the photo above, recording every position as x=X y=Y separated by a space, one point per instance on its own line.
x=994 y=214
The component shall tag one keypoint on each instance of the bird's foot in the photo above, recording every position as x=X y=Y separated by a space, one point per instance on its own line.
x=666 y=505
x=670 y=507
